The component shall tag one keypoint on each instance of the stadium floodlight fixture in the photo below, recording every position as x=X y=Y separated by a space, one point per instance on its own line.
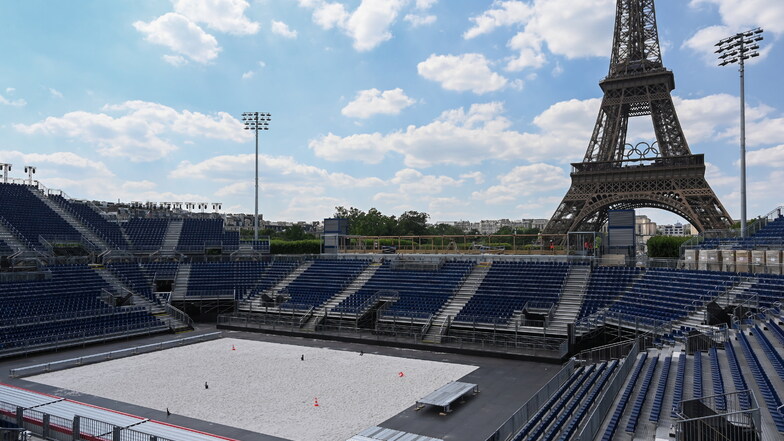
x=737 y=49
x=30 y=170
x=256 y=121
x=6 y=168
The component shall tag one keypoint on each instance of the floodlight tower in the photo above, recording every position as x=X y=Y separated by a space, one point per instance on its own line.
x=6 y=168
x=30 y=170
x=737 y=49
x=256 y=121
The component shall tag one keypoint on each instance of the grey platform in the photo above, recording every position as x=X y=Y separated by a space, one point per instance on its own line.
x=381 y=434
x=448 y=394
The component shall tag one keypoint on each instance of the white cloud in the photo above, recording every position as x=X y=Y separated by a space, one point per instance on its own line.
x=311 y=207
x=11 y=102
x=141 y=133
x=410 y=181
x=252 y=73
x=65 y=163
x=276 y=169
x=736 y=17
x=477 y=176
x=373 y=102
x=423 y=5
x=564 y=129
x=524 y=180
x=769 y=157
x=469 y=137
x=282 y=29
x=330 y=15
x=55 y=93
x=182 y=36
x=175 y=60
x=461 y=73
x=419 y=20
x=505 y=13
x=568 y=28
x=221 y=15
x=747 y=14
x=368 y=25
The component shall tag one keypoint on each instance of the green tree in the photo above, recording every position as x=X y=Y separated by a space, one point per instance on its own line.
x=444 y=230
x=372 y=223
x=412 y=223
x=296 y=232
x=666 y=247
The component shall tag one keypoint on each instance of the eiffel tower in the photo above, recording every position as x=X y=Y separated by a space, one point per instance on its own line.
x=617 y=175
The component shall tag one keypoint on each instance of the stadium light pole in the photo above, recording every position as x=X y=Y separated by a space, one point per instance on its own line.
x=737 y=49
x=256 y=121
x=30 y=170
x=6 y=168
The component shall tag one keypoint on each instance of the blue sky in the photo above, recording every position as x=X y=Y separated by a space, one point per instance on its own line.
x=464 y=109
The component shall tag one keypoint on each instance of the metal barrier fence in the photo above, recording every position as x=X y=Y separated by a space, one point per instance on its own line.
x=103 y=356
x=529 y=409
x=611 y=391
x=405 y=332
x=613 y=351
x=52 y=427
x=94 y=429
x=718 y=417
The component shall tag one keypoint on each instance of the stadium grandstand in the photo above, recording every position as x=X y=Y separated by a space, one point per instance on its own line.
x=642 y=349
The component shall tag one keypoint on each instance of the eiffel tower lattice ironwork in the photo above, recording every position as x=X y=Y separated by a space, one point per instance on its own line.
x=618 y=175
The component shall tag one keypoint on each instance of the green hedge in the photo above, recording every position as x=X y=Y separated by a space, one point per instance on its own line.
x=666 y=247
x=311 y=246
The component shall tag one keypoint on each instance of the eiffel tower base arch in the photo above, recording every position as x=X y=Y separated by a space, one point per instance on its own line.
x=675 y=184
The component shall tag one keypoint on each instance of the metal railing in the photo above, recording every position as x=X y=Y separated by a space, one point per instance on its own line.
x=52 y=427
x=404 y=332
x=611 y=390
x=103 y=356
x=529 y=409
x=178 y=314
x=719 y=417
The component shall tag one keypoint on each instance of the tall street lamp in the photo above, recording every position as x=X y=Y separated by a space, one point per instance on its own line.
x=256 y=121
x=737 y=49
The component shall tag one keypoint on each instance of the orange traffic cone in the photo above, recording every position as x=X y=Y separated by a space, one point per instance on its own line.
x=315 y=403
x=233 y=348
x=401 y=374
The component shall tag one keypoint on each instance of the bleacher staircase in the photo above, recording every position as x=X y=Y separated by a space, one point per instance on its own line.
x=737 y=292
x=455 y=304
x=180 y=287
x=356 y=285
x=10 y=239
x=139 y=300
x=571 y=298
x=122 y=288
x=172 y=236
x=256 y=303
x=87 y=233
